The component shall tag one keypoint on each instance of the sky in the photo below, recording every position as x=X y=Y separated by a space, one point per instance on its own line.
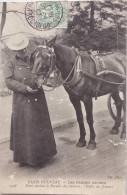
x=16 y=22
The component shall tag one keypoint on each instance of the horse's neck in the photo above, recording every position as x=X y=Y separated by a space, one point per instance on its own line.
x=65 y=58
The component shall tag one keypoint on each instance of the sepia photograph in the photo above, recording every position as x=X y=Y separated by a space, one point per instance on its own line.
x=63 y=97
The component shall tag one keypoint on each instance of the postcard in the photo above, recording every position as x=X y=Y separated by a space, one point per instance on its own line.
x=63 y=97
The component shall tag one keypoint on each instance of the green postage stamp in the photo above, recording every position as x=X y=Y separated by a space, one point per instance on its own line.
x=46 y=15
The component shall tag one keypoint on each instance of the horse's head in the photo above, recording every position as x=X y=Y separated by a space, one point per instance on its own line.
x=44 y=60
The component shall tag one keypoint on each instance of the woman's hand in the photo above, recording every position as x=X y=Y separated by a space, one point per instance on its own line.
x=30 y=90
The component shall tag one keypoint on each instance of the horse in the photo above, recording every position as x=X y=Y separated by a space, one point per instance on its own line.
x=80 y=80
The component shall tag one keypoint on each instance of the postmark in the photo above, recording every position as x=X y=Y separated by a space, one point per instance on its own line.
x=46 y=15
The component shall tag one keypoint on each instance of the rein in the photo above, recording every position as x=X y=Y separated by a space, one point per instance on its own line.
x=65 y=81
x=78 y=60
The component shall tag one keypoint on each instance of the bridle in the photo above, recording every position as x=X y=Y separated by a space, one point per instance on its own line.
x=53 y=68
x=51 y=55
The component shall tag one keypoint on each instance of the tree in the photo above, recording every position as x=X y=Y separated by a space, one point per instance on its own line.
x=92 y=20
x=89 y=19
x=92 y=15
x=3 y=18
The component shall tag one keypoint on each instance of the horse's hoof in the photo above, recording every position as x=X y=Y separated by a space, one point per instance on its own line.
x=91 y=146
x=81 y=144
x=114 y=131
x=123 y=136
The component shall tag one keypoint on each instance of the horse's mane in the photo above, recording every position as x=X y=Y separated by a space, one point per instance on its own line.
x=64 y=53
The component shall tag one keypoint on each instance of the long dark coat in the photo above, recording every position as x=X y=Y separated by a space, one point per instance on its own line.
x=32 y=139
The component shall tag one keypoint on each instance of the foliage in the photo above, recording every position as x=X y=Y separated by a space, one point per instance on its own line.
x=98 y=25
x=104 y=40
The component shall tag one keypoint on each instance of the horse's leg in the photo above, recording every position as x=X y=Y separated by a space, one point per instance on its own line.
x=118 y=103
x=89 y=116
x=123 y=133
x=77 y=105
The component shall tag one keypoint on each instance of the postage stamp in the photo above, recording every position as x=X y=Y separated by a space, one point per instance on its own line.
x=46 y=15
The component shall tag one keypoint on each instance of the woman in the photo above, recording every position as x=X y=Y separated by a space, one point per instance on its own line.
x=31 y=138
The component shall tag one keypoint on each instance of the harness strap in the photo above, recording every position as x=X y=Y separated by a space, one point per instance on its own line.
x=104 y=72
x=100 y=79
x=99 y=63
x=65 y=81
x=97 y=89
x=78 y=60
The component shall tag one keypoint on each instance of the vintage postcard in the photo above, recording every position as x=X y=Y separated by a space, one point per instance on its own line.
x=63 y=97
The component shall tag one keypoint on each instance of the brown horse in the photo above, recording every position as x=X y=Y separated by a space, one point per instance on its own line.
x=81 y=83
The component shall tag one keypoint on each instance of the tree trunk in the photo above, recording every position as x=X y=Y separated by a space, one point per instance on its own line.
x=117 y=36
x=3 y=89
x=92 y=16
x=4 y=9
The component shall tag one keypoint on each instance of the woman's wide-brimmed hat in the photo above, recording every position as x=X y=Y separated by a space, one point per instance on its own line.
x=17 y=42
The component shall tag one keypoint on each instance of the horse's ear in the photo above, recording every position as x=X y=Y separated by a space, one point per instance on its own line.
x=39 y=41
x=52 y=42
